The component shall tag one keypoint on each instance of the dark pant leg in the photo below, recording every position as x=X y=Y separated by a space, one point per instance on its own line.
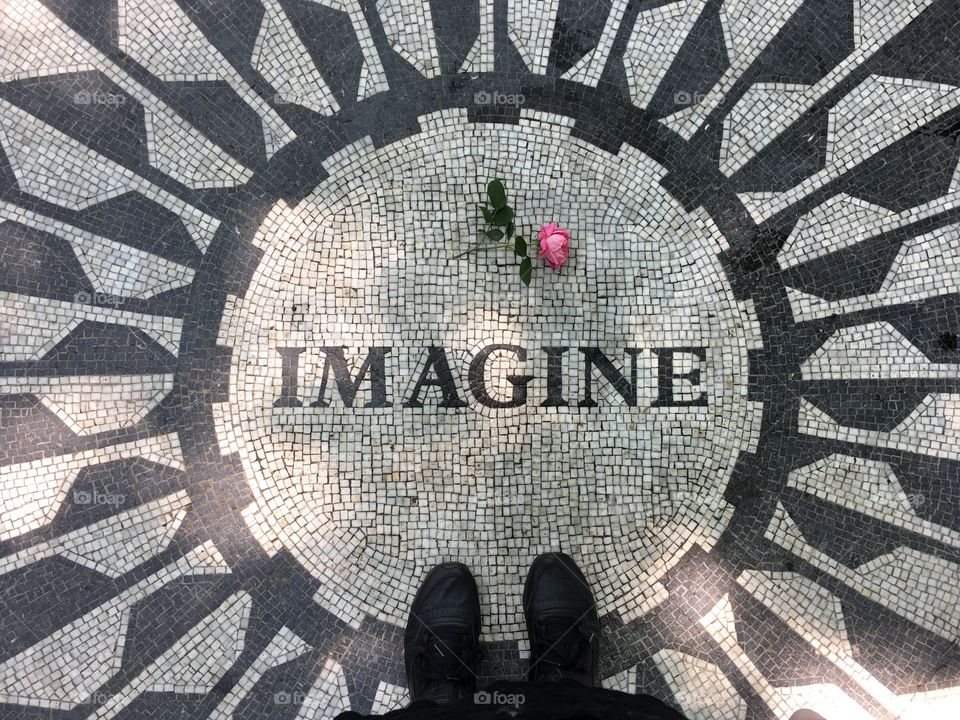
x=413 y=708
x=539 y=701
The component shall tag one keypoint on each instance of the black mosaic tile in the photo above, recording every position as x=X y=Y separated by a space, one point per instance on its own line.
x=39 y=263
x=89 y=107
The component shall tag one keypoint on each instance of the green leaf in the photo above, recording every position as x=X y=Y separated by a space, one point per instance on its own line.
x=526 y=270
x=497 y=194
x=520 y=246
x=503 y=216
x=495 y=235
x=487 y=214
x=510 y=229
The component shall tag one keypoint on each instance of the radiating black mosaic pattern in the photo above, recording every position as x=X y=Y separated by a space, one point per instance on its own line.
x=143 y=145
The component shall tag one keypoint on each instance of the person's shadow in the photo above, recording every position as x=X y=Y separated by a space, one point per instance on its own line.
x=807 y=715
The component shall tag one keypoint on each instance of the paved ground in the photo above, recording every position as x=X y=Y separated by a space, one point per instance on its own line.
x=737 y=405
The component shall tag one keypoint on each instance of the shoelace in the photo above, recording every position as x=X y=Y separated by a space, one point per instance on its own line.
x=562 y=646
x=446 y=658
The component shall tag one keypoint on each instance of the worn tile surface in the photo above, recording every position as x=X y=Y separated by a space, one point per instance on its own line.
x=251 y=390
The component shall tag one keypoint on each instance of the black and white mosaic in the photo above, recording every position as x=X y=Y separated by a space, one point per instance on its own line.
x=251 y=391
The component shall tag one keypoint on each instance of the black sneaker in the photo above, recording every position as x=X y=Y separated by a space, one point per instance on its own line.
x=442 y=641
x=562 y=621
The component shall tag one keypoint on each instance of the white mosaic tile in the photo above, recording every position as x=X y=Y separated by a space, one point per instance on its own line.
x=113 y=268
x=873 y=351
x=530 y=26
x=480 y=57
x=589 y=69
x=283 y=648
x=195 y=662
x=803 y=604
x=783 y=702
x=77 y=660
x=919 y=587
x=817 y=616
x=116 y=545
x=389 y=697
x=875 y=21
x=625 y=681
x=654 y=44
x=55 y=167
x=32 y=492
x=763 y=112
x=748 y=27
x=39 y=44
x=409 y=28
x=869 y=487
x=931 y=429
x=34 y=326
x=840 y=222
x=700 y=687
x=163 y=38
x=279 y=55
x=931 y=703
x=363 y=518
x=82 y=656
x=876 y=114
x=89 y=404
x=373 y=77
x=927 y=266
x=327 y=696
x=872 y=31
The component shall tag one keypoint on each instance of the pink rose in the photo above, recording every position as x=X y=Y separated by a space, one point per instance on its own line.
x=554 y=245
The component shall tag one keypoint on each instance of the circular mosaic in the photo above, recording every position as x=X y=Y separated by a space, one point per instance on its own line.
x=251 y=391
x=397 y=403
